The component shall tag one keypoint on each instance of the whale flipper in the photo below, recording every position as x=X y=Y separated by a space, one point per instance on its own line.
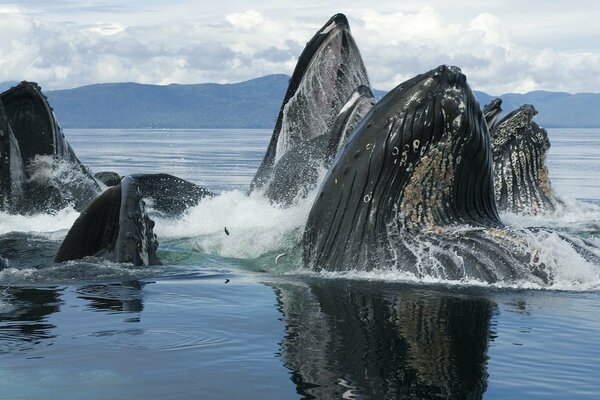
x=521 y=179
x=328 y=72
x=114 y=226
x=53 y=176
x=167 y=193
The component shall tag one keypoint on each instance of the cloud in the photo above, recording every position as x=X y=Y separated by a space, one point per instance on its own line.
x=233 y=46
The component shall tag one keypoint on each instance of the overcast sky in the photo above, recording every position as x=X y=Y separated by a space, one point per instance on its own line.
x=502 y=46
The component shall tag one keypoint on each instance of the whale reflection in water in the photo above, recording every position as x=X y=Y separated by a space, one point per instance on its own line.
x=375 y=340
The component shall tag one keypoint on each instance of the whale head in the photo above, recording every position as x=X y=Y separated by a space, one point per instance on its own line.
x=420 y=159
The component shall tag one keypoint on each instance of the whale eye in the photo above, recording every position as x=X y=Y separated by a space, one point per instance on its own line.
x=367 y=198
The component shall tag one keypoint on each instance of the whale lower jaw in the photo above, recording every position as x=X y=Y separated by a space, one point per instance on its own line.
x=457 y=253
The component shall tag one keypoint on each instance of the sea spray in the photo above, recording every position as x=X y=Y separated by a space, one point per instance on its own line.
x=58 y=223
x=573 y=216
x=256 y=225
x=260 y=231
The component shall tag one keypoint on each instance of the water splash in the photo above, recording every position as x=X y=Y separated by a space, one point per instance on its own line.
x=56 y=224
x=255 y=225
x=260 y=231
x=572 y=216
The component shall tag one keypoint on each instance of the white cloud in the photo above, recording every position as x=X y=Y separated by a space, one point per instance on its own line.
x=245 y=21
x=163 y=44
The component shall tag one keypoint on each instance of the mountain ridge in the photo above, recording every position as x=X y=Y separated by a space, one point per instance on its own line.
x=254 y=103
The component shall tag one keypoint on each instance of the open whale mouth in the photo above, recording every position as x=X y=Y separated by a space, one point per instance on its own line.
x=31 y=134
x=310 y=124
x=31 y=120
x=419 y=161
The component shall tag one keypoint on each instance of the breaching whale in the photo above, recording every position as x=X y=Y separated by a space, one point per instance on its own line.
x=413 y=190
x=521 y=180
x=114 y=226
x=327 y=94
x=40 y=171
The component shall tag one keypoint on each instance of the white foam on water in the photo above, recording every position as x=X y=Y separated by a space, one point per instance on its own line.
x=39 y=223
x=255 y=225
x=570 y=270
x=575 y=216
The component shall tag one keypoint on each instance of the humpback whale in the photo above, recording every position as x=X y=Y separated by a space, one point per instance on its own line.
x=491 y=112
x=40 y=171
x=12 y=174
x=329 y=87
x=113 y=226
x=413 y=190
x=297 y=172
x=521 y=180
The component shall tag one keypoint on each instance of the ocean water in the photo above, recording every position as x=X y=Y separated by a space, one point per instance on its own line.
x=234 y=316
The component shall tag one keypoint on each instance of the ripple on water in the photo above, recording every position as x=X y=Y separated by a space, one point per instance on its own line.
x=157 y=339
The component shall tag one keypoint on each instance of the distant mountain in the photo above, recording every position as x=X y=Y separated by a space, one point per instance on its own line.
x=250 y=104
x=255 y=104
x=7 y=85
x=555 y=109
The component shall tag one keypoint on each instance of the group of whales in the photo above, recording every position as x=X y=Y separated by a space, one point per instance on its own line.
x=413 y=182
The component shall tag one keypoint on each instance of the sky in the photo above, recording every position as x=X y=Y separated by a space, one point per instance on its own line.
x=501 y=46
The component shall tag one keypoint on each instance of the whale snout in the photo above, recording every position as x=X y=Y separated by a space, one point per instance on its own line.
x=450 y=74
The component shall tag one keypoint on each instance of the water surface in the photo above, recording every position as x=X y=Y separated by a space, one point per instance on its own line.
x=224 y=320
